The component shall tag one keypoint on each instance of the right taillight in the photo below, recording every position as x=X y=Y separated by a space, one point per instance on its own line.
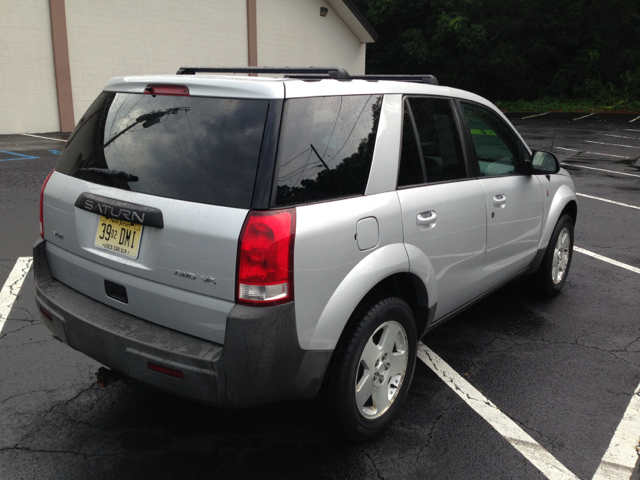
x=44 y=185
x=265 y=258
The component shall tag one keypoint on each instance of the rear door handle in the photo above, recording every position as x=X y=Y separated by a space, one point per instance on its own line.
x=499 y=200
x=426 y=218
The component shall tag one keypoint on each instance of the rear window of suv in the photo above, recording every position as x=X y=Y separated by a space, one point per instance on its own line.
x=197 y=149
x=326 y=147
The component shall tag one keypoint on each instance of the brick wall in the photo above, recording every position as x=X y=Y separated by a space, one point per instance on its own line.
x=292 y=33
x=27 y=82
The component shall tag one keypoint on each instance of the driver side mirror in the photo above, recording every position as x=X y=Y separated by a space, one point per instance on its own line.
x=544 y=163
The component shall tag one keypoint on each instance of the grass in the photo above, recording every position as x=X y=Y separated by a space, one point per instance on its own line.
x=550 y=104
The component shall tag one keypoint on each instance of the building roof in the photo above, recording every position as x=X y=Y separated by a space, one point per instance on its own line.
x=354 y=19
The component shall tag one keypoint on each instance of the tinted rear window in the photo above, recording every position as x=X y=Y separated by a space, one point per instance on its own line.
x=197 y=149
x=326 y=147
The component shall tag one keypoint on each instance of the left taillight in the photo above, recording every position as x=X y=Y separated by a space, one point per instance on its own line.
x=265 y=258
x=44 y=185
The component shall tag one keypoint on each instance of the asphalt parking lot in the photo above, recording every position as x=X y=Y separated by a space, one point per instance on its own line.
x=515 y=387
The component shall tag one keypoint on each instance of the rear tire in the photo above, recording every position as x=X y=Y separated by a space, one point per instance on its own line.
x=557 y=259
x=371 y=369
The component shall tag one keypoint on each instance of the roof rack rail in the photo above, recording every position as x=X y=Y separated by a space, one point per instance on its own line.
x=428 y=79
x=419 y=78
x=328 y=72
x=310 y=73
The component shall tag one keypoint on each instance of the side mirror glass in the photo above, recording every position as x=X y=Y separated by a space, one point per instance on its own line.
x=544 y=162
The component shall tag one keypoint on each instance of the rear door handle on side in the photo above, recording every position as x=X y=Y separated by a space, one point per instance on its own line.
x=499 y=200
x=427 y=218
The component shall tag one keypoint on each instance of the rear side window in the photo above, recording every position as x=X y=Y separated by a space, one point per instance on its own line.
x=203 y=150
x=431 y=149
x=326 y=146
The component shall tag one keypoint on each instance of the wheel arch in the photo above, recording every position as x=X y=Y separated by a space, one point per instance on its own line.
x=564 y=201
x=571 y=209
x=387 y=273
x=407 y=286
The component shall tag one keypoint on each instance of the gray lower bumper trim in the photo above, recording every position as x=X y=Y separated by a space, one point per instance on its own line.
x=260 y=362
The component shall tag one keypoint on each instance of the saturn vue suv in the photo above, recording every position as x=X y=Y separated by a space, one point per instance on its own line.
x=240 y=240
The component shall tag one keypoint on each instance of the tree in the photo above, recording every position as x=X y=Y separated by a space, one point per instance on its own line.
x=511 y=49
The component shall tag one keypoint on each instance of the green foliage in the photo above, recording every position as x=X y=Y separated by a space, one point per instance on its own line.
x=513 y=49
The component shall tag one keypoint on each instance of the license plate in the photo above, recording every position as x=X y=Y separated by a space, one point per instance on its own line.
x=119 y=236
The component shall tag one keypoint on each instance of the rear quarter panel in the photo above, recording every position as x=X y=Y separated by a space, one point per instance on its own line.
x=332 y=274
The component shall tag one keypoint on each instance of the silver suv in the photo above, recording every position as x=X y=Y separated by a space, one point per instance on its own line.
x=240 y=240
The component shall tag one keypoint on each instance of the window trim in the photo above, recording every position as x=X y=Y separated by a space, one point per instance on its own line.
x=263 y=187
x=473 y=168
x=416 y=137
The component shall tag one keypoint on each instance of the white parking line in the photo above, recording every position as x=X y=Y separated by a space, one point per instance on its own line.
x=607 y=259
x=612 y=144
x=580 y=118
x=631 y=129
x=602 y=170
x=591 y=153
x=12 y=286
x=621 y=136
x=620 y=458
x=604 y=154
x=608 y=201
x=46 y=138
x=631 y=121
x=521 y=441
x=532 y=116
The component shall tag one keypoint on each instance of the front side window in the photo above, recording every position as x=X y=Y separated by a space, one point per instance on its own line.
x=431 y=150
x=326 y=147
x=497 y=147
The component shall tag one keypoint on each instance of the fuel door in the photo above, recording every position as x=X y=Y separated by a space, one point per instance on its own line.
x=367 y=233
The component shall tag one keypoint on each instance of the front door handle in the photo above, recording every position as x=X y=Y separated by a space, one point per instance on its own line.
x=427 y=218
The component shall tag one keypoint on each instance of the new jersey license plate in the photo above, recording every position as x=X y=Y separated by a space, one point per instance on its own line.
x=119 y=236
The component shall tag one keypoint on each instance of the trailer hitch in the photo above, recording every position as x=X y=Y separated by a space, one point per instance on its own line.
x=107 y=377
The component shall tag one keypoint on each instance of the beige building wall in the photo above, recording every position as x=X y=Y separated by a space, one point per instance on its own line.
x=108 y=38
x=131 y=37
x=27 y=81
x=292 y=33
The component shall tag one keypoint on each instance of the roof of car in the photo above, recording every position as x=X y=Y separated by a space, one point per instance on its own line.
x=237 y=86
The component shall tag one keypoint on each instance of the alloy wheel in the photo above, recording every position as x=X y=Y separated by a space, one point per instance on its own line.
x=381 y=370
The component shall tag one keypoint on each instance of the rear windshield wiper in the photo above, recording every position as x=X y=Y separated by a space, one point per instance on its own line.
x=148 y=120
x=119 y=174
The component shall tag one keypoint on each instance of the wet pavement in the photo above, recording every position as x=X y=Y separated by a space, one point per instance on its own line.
x=562 y=369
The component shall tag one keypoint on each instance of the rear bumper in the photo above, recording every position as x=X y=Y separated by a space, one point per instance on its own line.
x=260 y=362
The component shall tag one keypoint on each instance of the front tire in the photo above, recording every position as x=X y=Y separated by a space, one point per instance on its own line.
x=372 y=369
x=557 y=259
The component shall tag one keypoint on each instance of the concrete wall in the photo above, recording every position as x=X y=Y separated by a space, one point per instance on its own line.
x=27 y=81
x=125 y=37
x=292 y=33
